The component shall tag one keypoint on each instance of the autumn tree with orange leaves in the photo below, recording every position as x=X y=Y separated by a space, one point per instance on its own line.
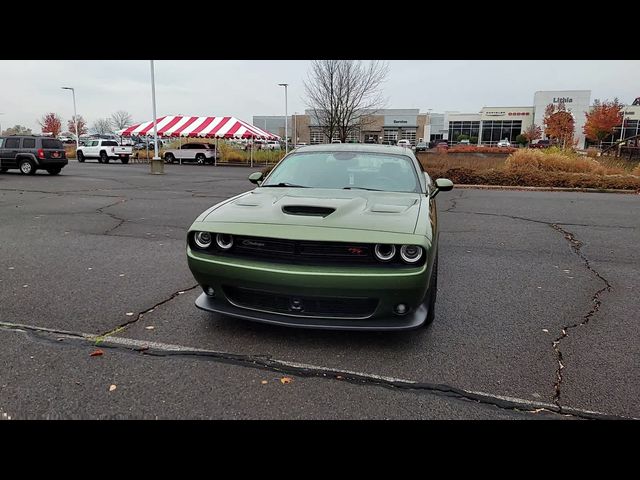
x=532 y=132
x=51 y=123
x=82 y=125
x=603 y=118
x=559 y=124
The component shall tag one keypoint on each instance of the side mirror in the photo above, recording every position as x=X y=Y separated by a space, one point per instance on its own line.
x=442 y=185
x=255 y=177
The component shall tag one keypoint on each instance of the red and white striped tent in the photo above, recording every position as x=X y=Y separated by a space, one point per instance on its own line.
x=209 y=127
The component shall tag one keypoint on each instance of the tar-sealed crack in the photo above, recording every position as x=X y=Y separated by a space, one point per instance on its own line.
x=139 y=315
x=262 y=362
x=576 y=246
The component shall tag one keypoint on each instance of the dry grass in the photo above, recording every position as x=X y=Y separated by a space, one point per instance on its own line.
x=476 y=149
x=556 y=160
x=438 y=161
x=636 y=171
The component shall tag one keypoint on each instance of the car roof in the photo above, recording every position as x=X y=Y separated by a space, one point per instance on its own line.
x=354 y=147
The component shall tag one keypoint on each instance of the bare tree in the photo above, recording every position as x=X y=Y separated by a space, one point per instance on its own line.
x=120 y=120
x=102 y=126
x=344 y=94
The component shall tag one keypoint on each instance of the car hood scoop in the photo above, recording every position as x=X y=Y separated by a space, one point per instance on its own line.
x=349 y=209
x=308 y=210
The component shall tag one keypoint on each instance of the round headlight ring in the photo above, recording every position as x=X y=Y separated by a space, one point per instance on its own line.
x=203 y=239
x=224 y=241
x=411 y=253
x=384 y=252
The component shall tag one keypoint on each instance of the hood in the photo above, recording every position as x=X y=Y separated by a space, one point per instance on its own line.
x=349 y=209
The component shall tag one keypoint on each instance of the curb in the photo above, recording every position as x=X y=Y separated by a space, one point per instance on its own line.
x=547 y=189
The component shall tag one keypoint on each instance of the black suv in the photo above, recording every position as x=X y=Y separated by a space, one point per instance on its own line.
x=30 y=153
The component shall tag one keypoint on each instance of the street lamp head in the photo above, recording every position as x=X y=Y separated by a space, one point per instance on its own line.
x=66 y=88
x=283 y=84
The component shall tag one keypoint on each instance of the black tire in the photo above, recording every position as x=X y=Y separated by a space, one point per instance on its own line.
x=3 y=169
x=54 y=171
x=169 y=158
x=433 y=290
x=200 y=158
x=80 y=157
x=125 y=160
x=104 y=157
x=27 y=167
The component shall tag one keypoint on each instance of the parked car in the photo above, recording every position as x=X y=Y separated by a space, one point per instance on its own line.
x=200 y=153
x=404 y=143
x=541 y=144
x=504 y=143
x=336 y=236
x=442 y=144
x=464 y=142
x=30 y=153
x=104 y=150
x=422 y=147
x=271 y=145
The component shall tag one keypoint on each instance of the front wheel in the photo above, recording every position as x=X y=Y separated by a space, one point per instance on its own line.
x=200 y=159
x=80 y=157
x=54 y=171
x=27 y=167
x=433 y=290
x=169 y=158
x=104 y=157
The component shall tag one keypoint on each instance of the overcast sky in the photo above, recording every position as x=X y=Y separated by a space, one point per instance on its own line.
x=247 y=88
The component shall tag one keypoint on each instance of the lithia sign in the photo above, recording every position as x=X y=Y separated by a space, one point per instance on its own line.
x=562 y=99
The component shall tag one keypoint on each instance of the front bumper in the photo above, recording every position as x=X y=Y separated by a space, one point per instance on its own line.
x=388 y=286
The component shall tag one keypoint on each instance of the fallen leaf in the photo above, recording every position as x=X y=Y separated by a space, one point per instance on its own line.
x=25 y=286
x=150 y=327
x=96 y=353
x=566 y=271
x=180 y=293
x=121 y=275
x=264 y=382
x=339 y=377
x=129 y=314
x=285 y=380
x=12 y=268
x=545 y=330
x=90 y=268
x=142 y=349
x=112 y=388
x=569 y=277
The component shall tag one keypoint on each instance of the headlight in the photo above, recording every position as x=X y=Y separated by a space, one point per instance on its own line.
x=224 y=241
x=411 y=253
x=384 y=252
x=202 y=239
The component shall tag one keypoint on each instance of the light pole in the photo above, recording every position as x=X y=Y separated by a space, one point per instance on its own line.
x=295 y=129
x=286 y=120
x=75 y=116
x=1 y=113
x=157 y=167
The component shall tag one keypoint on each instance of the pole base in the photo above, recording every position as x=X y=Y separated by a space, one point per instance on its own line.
x=157 y=166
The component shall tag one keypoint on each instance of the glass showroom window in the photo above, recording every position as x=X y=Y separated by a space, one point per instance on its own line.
x=353 y=136
x=468 y=128
x=496 y=130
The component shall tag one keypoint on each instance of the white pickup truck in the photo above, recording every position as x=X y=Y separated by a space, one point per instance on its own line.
x=104 y=150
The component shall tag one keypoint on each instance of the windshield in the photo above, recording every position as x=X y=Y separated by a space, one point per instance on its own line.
x=350 y=170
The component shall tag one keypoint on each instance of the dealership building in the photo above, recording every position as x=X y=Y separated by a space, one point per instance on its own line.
x=487 y=127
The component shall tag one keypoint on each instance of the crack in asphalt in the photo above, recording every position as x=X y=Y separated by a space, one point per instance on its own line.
x=262 y=362
x=140 y=314
x=115 y=217
x=576 y=246
x=454 y=202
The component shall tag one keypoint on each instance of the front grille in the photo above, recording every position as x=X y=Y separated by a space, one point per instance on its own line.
x=303 y=306
x=303 y=252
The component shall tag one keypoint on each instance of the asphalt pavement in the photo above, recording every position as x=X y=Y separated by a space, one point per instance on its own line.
x=537 y=311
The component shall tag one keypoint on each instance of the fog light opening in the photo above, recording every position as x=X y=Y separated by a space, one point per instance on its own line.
x=401 y=309
x=210 y=291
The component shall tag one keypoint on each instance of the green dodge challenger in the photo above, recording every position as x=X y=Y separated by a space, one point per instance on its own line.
x=339 y=236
